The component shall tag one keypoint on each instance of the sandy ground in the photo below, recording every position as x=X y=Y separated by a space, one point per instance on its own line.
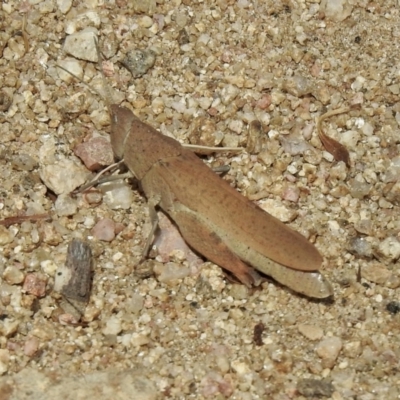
x=205 y=71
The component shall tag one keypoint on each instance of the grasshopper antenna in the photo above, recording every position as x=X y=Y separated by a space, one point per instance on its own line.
x=106 y=96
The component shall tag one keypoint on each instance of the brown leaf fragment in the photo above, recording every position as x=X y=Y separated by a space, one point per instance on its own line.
x=21 y=218
x=332 y=146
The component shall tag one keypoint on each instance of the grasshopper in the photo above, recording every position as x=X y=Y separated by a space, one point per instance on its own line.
x=213 y=218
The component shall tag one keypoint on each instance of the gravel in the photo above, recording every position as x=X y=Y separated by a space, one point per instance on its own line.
x=255 y=74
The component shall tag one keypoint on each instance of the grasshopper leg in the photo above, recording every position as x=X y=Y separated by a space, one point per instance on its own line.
x=154 y=226
x=204 y=240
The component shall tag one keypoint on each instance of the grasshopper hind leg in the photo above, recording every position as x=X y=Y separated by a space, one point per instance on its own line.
x=204 y=240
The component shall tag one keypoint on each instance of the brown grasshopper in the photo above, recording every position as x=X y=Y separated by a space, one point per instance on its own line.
x=213 y=218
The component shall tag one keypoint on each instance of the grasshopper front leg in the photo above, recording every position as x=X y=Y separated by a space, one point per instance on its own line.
x=154 y=225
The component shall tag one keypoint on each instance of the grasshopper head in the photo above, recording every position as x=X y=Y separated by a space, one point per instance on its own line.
x=121 y=121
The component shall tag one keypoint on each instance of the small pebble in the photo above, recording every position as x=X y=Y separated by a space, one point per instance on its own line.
x=393 y=307
x=49 y=234
x=82 y=45
x=240 y=367
x=138 y=62
x=67 y=319
x=31 y=346
x=298 y=86
x=104 y=230
x=5 y=236
x=278 y=210
x=35 y=284
x=49 y=267
x=72 y=66
x=23 y=162
x=113 y=326
x=229 y=93
x=358 y=189
x=239 y=292
x=389 y=249
x=294 y=144
x=144 y=6
x=138 y=340
x=145 y=21
x=5 y=101
x=119 y=196
x=8 y=327
x=4 y=361
x=311 y=332
x=93 y=197
x=315 y=388
x=337 y=10
x=64 y=5
x=360 y=246
x=63 y=176
x=65 y=205
x=291 y=193
x=170 y=272
x=376 y=272
x=135 y=303
x=46 y=7
x=254 y=137
x=203 y=131
x=222 y=363
x=329 y=349
x=109 y=47
x=13 y=275
x=95 y=153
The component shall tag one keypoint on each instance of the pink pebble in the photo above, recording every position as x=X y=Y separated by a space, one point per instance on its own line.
x=104 y=230
x=31 y=346
x=35 y=284
x=291 y=193
x=264 y=102
x=95 y=153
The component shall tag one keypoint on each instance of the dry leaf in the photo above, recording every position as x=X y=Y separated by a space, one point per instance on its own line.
x=332 y=146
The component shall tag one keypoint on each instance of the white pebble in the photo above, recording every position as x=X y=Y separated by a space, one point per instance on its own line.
x=145 y=22
x=4 y=361
x=120 y=197
x=336 y=10
x=390 y=248
x=64 y=5
x=240 y=367
x=236 y=126
x=12 y=275
x=72 y=66
x=82 y=45
x=139 y=339
x=358 y=84
x=63 y=176
x=329 y=349
x=65 y=205
x=378 y=298
x=278 y=210
x=48 y=267
x=5 y=236
x=113 y=326
x=311 y=332
x=171 y=271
